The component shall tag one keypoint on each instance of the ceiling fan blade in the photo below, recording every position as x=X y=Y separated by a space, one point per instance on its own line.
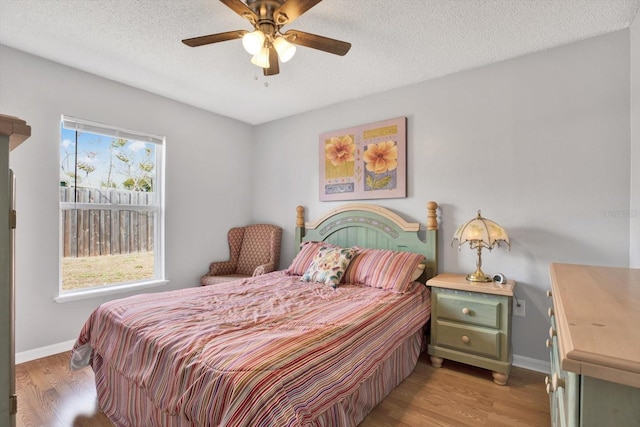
x=241 y=9
x=292 y=9
x=214 y=38
x=314 y=41
x=274 y=67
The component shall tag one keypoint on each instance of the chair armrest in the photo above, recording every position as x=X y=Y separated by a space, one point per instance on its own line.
x=264 y=268
x=274 y=252
x=222 y=268
x=219 y=268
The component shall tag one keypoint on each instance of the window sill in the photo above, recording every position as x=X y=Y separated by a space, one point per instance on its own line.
x=111 y=290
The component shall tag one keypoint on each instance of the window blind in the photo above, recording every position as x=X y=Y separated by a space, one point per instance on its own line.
x=81 y=125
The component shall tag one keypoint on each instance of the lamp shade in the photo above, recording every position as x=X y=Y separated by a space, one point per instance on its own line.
x=261 y=59
x=253 y=41
x=285 y=49
x=481 y=232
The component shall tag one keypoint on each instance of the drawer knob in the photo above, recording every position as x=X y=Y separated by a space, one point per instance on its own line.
x=549 y=294
x=556 y=382
x=466 y=311
x=465 y=339
x=547 y=384
x=552 y=332
x=550 y=312
x=549 y=343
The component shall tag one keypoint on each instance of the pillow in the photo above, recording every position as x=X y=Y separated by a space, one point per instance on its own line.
x=384 y=269
x=329 y=265
x=418 y=272
x=301 y=262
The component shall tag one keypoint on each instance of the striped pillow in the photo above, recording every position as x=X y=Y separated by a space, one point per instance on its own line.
x=329 y=265
x=382 y=268
x=302 y=261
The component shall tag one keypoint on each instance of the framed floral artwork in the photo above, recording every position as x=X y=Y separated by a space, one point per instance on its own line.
x=364 y=162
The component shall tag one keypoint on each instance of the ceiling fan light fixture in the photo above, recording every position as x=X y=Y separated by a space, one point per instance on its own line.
x=261 y=59
x=253 y=42
x=285 y=49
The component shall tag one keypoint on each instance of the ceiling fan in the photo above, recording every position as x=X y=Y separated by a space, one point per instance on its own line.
x=266 y=43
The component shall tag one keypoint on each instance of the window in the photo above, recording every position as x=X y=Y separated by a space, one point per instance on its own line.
x=111 y=209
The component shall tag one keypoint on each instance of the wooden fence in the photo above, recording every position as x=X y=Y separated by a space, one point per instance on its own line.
x=94 y=232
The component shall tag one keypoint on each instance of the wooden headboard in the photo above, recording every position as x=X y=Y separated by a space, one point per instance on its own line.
x=372 y=226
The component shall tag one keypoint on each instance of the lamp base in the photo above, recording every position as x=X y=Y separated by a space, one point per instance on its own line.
x=478 y=276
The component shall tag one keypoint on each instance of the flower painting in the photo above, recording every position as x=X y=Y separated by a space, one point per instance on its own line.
x=365 y=162
x=381 y=162
x=339 y=156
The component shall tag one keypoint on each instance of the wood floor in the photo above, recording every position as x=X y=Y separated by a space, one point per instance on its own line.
x=456 y=395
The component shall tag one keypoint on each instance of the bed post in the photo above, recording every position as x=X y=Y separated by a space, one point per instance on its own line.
x=299 y=228
x=432 y=239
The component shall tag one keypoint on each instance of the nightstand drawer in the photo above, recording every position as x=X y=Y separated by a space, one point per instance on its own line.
x=482 y=310
x=469 y=339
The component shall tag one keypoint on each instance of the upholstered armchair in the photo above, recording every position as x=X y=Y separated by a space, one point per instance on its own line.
x=254 y=250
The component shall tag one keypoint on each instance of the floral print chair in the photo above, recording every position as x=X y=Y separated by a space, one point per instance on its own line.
x=254 y=250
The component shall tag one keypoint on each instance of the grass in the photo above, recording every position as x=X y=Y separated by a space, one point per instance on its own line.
x=89 y=272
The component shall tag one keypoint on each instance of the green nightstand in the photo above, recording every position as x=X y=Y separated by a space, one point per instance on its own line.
x=471 y=323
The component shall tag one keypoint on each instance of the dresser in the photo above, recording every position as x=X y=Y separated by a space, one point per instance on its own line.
x=471 y=323
x=594 y=344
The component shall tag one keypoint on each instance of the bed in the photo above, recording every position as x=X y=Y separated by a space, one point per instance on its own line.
x=318 y=344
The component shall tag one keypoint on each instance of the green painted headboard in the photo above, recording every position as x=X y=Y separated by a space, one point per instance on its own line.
x=373 y=226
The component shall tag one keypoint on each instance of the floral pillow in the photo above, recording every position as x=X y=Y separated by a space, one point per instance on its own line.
x=302 y=261
x=328 y=265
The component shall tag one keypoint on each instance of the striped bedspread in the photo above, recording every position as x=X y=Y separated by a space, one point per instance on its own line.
x=269 y=350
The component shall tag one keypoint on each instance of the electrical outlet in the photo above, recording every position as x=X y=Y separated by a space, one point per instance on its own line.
x=518 y=307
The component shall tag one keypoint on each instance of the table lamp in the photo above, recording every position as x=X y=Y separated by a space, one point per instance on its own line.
x=480 y=233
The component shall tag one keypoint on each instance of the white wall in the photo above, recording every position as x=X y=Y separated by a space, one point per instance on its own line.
x=634 y=211
x=540 y=143
x=208 y=186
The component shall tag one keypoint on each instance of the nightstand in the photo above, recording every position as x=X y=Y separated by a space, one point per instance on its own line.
x=471 y=323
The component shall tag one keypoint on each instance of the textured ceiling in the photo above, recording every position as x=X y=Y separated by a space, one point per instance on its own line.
x=394 y=43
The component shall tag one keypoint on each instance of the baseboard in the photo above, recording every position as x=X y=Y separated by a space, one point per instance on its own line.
x=49 y=350
x=532 y=364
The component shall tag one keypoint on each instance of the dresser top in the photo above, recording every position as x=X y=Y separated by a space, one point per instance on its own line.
x=597 y=312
